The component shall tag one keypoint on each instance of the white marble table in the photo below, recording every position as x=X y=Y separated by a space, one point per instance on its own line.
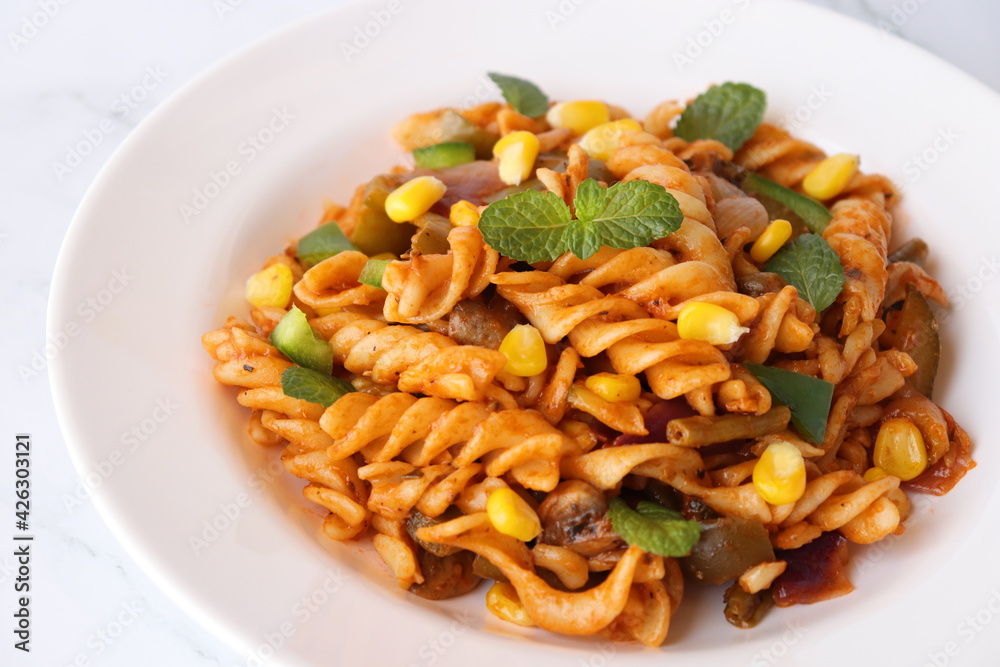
x=75 y=70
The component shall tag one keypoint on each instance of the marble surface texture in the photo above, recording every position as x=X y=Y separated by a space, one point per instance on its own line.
x=68 y=67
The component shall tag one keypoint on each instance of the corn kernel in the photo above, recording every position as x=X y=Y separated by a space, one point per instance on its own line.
x=464 y=213
x=614 y=388
x=271 y=287
x=511 y=515
x=413 y=198
x=874 y=474
x=384 y=255
x=780 y=474
x=525 y=351
x=773 y=237
x=503 y=602
x=579 y=116
x=602 y=141
x=830 y=177
x=709 y=322
x=517 y=152
x=899 y=449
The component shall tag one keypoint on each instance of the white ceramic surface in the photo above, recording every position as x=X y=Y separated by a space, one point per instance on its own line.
x=95 y=607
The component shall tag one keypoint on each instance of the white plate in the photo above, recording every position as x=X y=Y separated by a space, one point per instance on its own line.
x=264 y=580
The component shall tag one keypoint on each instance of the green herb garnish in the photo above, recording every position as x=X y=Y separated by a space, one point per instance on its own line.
x=313 y=386
x=654 y=528
x=444 y=155
x=807 y=397
x=815 y=216
x=729 y=113
x=813 y=267
x=321 y=243
x=524 y=96
x=537 y=227
x=371 y=273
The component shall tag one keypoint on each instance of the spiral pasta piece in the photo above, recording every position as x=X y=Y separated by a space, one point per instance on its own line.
x=333 y=283
x=413 y=360
x=426 y=287
x=596 y=323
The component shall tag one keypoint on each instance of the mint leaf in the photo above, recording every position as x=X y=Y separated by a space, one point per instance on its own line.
x=807 y=397
x=527 y=226
x=812 y=266
x=589 y=199
x=728 y=113
x=321 y=243
x=815 y=216
x=535 y=227
x=654 y=528
x=313 y=386
x=371 y=273
x=524 y=96
x=634 y=214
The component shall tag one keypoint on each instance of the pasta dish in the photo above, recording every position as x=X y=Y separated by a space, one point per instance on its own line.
x=593 y=358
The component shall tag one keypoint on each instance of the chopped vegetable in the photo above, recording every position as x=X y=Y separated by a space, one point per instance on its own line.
x=780 y=474
x=418 y=520
x=295 y=339
x=807 y=397
x=414 y=198
x=503 y=602
x=916 y=333
x=813 y=267
x=322 y=243
x=914 y=250
x=445 y=577
x=309 y=385
x=579 y=116
x=654 y=528
x=510 y=514
x=372 y=272
x=374 y=232
x=525 y=351
x=729 y=113
x=813 y=214
x=770 y=241
x=516 y=153
x=745 y=610
x=709 y=322
x=727 y=548
x=443 y=155
x=829 y=178
x=900 y=449
x=271 y=287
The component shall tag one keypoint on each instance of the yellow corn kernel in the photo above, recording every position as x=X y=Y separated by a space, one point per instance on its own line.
x=602 y=141
x=830 y=177
x=517 y=152
x=511 y=515
x=525 y=351
x=579 y=116
x=384 y=255
x=874 y=474
x=413 y=198
x=899 y=449
x=271 y=287
x=464 y=213
x=773 y=237
x=709 y=322
x=614 y=388
x=780 y=474
x=503 y=602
